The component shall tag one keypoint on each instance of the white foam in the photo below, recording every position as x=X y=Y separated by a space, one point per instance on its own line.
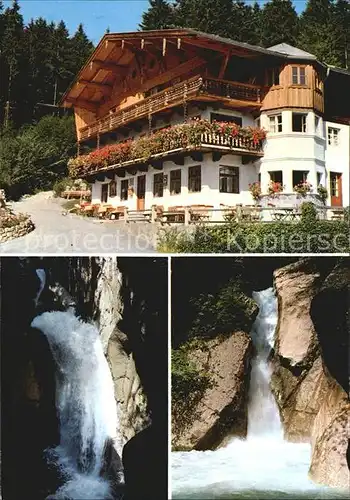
x=84 y=401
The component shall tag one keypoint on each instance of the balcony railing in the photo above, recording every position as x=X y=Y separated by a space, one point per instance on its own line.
x=232 y=90
x=233 y=143
x=196 y=87
x=193 y=137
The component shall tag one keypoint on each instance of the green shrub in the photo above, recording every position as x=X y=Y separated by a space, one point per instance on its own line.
x=228 y=310
x=61 y=185
x=188 y=387
x=308 y=212
x=306 y=236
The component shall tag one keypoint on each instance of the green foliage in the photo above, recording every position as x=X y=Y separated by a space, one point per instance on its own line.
x=325 y=30
x=322 y=29
x=279 y=22
x=38 y=61
x=160 y=15
x=188 y=386
x=228 y=310
x=322 y=193
x=306 y=236
x=308 y=212
x=36 y=157
x=60 y=185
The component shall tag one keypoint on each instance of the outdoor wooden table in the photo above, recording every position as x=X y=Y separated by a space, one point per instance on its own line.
x=199 y=217
x=173 y=216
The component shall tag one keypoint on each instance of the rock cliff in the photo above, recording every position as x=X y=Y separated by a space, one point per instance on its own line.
x=310 y=363
x=223 y=407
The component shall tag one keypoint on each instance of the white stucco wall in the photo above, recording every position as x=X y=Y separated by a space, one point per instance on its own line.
x=209 y=194
x=338 y=158
x=288 y=150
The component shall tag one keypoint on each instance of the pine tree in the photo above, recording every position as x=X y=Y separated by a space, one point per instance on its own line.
x=257 y=24
x=279 y=23
x=341 y=20
x=244 y=23
x=39 y=43
x=209 y=16
x=61 y=61
x=81 y=47
x=160 y=15
x=12 y=51
x=318 y=31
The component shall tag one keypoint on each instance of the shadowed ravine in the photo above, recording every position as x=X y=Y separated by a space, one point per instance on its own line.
x=263 y=465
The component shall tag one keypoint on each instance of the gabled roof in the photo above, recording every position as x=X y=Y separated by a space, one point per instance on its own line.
x=292 y=52
x=193 y=38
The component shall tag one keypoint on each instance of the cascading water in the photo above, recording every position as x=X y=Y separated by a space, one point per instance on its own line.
x=263 y=465
x=85 y=405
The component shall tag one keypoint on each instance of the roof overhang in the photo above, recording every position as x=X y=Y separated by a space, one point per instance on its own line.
x=107 y=58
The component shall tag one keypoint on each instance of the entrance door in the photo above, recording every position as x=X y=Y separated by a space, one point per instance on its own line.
x=141 y=191
x=336 y=189
x=104 y=193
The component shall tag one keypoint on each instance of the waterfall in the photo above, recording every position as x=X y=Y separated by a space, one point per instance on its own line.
x=85 y=404
x=263 y=414
x=263 y=465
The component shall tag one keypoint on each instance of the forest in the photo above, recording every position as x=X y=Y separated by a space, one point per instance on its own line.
x=39 y=60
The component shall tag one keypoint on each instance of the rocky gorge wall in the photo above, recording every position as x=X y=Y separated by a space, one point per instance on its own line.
x=115 y=294
x=222 y=409
x=310 y=377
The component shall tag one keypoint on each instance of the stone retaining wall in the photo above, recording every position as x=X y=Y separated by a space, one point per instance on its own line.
x=21 y=229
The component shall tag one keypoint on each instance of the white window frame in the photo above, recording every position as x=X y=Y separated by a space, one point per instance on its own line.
x=303 y=123
x=333 y=136
x=298 y=75
x=275 y=123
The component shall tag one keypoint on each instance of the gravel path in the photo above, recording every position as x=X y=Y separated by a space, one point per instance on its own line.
x=56 y=233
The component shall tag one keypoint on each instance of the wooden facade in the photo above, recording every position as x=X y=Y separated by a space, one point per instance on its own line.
x=287 y=94
x=133 y=77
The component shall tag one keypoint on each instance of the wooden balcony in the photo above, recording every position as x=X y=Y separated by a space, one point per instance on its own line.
x=236 y=144
x=196 y=88
x=196 y=144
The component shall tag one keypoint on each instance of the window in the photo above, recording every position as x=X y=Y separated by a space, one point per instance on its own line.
x=104 y=193
x=299 y=122
x=229 y=179
x=299 y=176
x=298 y=75
x=112 y=189
x=175 y=181
x=194 y=179
x=319 y=178
x=219 y=117
x=275 y=123
x=258 y=122
x=273 y=76
x=276 y=176
x=158 y=185
x=124 y=189
x=317 y=124
x=333 y=136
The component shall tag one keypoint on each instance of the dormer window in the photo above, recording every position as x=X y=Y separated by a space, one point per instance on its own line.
x=298 y=75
